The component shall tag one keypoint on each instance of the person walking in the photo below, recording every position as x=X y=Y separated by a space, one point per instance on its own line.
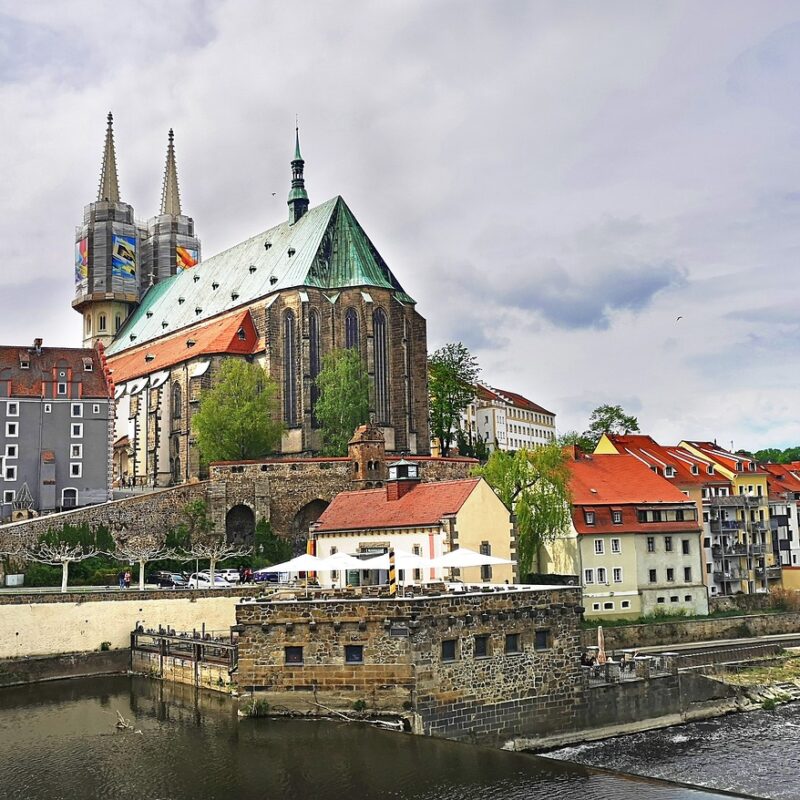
x=127 y=579
x=121 y=579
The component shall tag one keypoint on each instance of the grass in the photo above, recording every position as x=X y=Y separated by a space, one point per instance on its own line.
x=647 y=619
x=782 y=670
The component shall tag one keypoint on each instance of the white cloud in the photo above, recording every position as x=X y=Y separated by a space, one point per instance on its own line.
x=555 y=183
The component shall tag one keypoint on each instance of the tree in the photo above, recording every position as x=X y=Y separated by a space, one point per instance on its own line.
x=534 y=484
x=343 y=404
x=452 y=372
x=471 y=446
x=269 y=547
x=775 y=455
x=65 y=546
x=608 y=419
x=238 y=419
x=198 y=539
x=571 y=438
x=141 y=548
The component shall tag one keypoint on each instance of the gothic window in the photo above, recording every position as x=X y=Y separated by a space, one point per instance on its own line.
x=101 y=322
x=381 y=365
x=314 y=361
x=176 y=400
x=176 y=470
x=88 y=323
x=117 y=322
x=289 y=370
x=351 y=329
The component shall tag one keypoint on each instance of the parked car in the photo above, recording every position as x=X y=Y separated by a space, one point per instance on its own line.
x=200 y=580
x=270 y=577
x=166 y=579
x=231 y=574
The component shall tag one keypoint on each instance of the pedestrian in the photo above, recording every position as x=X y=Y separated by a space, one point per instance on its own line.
x=127 y=579
x=248 y=575
x=121 y=579
x=241 y=574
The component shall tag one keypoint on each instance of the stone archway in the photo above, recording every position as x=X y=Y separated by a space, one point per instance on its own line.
x=308 y=514
x=240 y=525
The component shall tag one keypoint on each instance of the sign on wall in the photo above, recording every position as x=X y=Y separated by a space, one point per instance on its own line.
x=81 y=259
x=186 y=258
x=123 y=256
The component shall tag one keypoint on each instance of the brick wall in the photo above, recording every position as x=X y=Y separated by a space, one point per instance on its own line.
x=407 y=668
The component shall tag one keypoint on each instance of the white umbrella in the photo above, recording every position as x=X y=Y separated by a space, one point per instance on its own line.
x=464 y=557
x=303 y=563
x=402 y=560
x=340 y=561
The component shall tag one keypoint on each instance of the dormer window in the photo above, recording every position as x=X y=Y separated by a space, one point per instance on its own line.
x=234 y=295
x=739 y=466
x=164 y=323
x=149 y=357
x=190 y=342
x=752 y=466
x=87 y=365
x=589 y=517
x=241 y=335
x=132 y=336
x=710 y=469
x=267 y=245
x=669 y=472
x=24 y=363
x=198 y=310
x=273 y=280
x=695 y=469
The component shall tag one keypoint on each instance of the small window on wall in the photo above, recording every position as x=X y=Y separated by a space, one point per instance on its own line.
x=101 y=322
x=12 y=409
x=354 y=653
x=616 y=546
x=625 y=604
x=10 y=473
x=685 y=546
x=513 y=643
x=651 y=544
x=117 y=323
x=76 y=451
x=75 y=470
x=48 y=407
x=599 y=547
x=541 y=640
x=449 y=650
x=608 y=606
x=96 y=408
x=77 y=410
x=61 y=389
x=293 y=655
x=8 y=496
x=481 y=646
x=595 y=606
x=588 y=576
x=12 y=429
x=77 y=430
x=616 y=517
x=688 y=598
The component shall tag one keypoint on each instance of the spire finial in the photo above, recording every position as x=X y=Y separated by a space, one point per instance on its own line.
x=298 y=198
x=170 y=195
x=109 y=185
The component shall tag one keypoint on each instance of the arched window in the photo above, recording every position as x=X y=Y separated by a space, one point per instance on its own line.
x=289 y=370
x=381 y=358
x=101 y=322
x=176 y=400
x=351 y=329
x=117 y=322
x=314 y=359
x=69 y=498
x=88 y=323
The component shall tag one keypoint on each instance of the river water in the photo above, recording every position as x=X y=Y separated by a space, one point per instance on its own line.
x=59 y=741
x=757 y=753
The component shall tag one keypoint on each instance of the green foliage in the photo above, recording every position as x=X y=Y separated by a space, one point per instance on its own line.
x=571 y=438
x=80 y=535
x=778 y=456
x=770 y=704
x=238 y=418
x=343 y=404
x=452 y=373
x=360 y=705
x=269 y=547
x=42 y=575
x=534 y=484
x=471 y=446
x=608 y=419
x=258 y=708
x=194 y=522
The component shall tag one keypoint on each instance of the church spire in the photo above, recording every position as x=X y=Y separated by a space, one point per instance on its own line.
x=170 y=196
x=298 y=198
x=109 y=186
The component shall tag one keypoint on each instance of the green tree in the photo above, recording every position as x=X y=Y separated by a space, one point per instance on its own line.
x=343 y=404
x=238 y=418
x=534 y=484
x=608 y=419
x=452 y=372
x=574 y=438
x=471 y=446
x=777 y=456
x=271 y=549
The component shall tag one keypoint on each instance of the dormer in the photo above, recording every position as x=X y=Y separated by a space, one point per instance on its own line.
x=403 y=477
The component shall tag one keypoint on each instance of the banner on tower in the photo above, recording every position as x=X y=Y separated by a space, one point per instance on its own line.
x=186 y=258
x=81 y=259
x=123 y=256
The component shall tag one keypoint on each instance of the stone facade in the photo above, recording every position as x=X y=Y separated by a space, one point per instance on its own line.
x=485 y=666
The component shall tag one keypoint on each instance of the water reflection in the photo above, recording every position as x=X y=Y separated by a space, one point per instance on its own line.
x=59 y=741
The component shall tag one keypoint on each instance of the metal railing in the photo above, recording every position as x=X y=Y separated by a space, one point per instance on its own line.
x=197 y=646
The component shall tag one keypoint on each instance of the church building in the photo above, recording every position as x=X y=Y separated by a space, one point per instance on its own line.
x=283 y=299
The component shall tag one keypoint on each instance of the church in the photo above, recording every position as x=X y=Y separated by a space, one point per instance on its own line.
x=283 y=298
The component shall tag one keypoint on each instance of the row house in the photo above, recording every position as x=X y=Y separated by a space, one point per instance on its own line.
x=635 y=540
x=783 y=481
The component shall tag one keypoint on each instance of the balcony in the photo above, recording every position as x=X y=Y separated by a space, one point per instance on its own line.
x=730 y=575
x=725 y=525
x=735 y=501
x=756 y=549
x=774 y=573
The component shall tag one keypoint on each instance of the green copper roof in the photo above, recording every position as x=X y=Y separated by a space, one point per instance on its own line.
x=326 y=248
x=297 y=156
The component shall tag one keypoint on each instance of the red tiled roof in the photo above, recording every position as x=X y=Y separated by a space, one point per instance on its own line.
x=215 y=336
x=519 y=401
x=42 y=368
x=726 y=458
x=656 y=455
x=619 y=480
x=424 y=505
x=781 y=478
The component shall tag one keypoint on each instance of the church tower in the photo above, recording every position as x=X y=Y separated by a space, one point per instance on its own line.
x=169 y=244
x=106 y=277
x=298 y=197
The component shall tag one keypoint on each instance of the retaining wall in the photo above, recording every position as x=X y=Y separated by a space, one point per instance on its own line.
x=17 y=671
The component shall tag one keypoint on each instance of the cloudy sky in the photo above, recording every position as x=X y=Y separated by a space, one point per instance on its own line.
x=555 y=183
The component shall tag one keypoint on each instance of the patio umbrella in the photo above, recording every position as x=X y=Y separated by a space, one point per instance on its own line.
x=601 y=646
x=303 y=563
x=403 y=560
x=339 y=561
x=464 y=557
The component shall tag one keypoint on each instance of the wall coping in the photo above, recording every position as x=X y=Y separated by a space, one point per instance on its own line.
x=114 y=594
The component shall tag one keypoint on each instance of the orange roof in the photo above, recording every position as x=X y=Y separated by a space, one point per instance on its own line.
x=369 y=509
x=781 y=478
x=727 y=459
x=522 y=402
x=619 y=480
x=655 y=455
x=216 y=336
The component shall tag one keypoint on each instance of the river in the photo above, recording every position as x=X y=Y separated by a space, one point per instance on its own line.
x=58 y=741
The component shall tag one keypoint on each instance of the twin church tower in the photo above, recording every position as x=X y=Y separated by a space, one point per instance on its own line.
x=118 y=258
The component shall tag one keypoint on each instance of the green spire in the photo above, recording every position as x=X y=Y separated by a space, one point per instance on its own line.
x=298 y=197
x=297 y=156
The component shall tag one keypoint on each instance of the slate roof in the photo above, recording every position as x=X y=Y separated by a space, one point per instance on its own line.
x=329 y=250
x=216 y=336
x=42 y=366
x=370 y=509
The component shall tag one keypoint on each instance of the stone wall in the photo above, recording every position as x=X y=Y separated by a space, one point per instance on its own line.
x=656 y=634
x=407 y=665
x=16 y=671
x=215 y=677
x=741 y=602
x=48 y=624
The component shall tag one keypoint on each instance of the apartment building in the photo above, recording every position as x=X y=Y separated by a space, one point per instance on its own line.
x=635 y=540
x=56 y=424
x=507 y=421
x=783 y=481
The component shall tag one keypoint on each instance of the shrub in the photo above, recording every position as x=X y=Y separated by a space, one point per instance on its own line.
x=360 y=705
x=258 y=708
x=105 y=645
x=785 y=599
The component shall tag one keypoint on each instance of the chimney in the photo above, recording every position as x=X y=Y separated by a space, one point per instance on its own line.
x=37 y=346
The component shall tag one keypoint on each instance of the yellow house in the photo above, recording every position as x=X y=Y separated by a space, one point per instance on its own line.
x=426 y=519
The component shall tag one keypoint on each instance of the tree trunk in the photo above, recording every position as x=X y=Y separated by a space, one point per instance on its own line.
x=64 y=575
x=212 y=565
x=142 y=562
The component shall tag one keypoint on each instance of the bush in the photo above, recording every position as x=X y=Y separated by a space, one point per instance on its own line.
x=785 y=599
x=105 y=646
x=42 y=575
x=258 y=708
x=360 y=705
